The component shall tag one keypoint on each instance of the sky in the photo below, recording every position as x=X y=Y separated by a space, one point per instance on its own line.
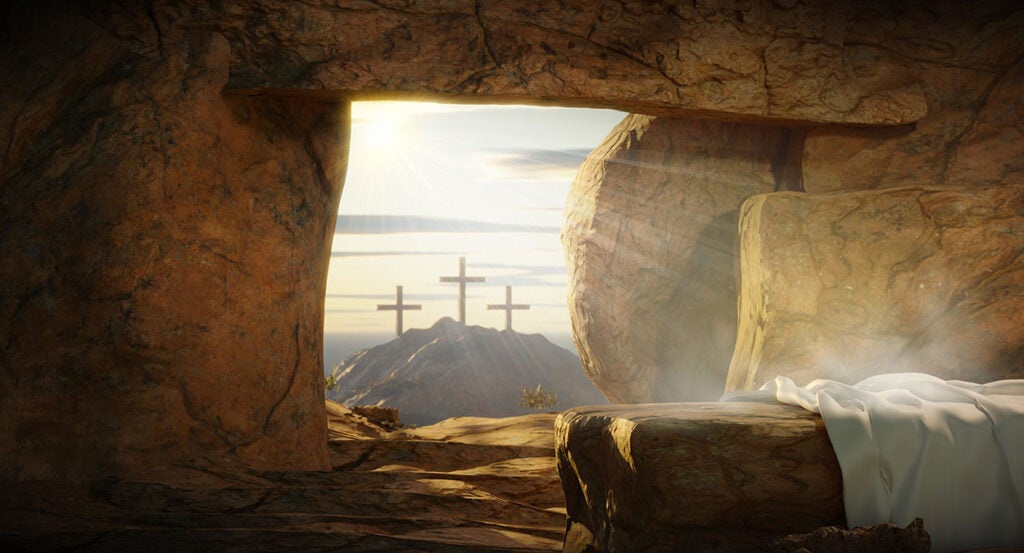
x=428 y=183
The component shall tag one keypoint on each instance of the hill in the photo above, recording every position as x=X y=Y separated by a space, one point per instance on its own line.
x=451 y=369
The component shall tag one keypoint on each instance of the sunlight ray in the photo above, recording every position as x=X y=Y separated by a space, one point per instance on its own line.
x=491 y=173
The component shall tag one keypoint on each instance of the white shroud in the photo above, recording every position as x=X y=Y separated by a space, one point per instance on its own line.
x=913 y=445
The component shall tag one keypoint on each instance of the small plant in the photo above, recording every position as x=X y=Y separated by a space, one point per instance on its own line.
x=537 y=398
x=331 y=383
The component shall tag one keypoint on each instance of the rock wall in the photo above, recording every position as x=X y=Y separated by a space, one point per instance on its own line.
x=639 y=341
x=846 y=286
x=972 y=136
x=649 y=234
x=163 y=245
x=163 y=256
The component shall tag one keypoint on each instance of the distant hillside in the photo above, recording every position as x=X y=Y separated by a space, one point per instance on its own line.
x=451 y=369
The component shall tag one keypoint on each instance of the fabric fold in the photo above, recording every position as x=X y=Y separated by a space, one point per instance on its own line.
x=912 y=445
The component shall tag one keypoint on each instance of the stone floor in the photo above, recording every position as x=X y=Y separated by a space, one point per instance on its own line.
x=641 y=478
x=463 y=485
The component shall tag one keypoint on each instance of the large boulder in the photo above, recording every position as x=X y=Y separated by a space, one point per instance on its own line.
x=695 y=476
x=846 y=286
x=649 y=234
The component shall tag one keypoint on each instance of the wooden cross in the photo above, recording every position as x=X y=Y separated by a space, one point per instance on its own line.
x=508 y=306
x=462 y=279
x=398 y=306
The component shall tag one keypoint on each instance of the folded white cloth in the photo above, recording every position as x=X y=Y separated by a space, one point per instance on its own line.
x=913 y=445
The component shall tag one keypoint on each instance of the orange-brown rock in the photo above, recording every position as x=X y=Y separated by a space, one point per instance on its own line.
x=163 y=245
x=759 y=61
x=971 y=135
x=344 y=425
x=649 y=234
x=162 y=259
x=385 y=417
x=846 y=286
x=454 y=487
x=694 y=476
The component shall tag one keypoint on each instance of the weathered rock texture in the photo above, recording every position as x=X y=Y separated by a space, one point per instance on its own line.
x=756 y=60
x=694 y=476
x=455 y=488
x=656 y=326
x=850 y=285
x=385 y=417
x=163 y=246
x=649 y=234
x=162 y=259
x=862 y=539
x=971 y=137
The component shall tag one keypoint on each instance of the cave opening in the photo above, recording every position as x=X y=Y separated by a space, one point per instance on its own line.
x=434 y=191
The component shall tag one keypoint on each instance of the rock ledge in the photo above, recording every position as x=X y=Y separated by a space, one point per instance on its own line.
x=694 y=476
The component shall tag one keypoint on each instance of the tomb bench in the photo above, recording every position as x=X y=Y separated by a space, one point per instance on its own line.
x=694 y=476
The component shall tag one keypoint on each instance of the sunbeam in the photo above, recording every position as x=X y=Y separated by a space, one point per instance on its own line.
x=428 y=183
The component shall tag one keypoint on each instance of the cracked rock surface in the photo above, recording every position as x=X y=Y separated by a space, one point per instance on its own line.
x=464 y=485
x=847 y=286
x=695 y=476
x=649 y=233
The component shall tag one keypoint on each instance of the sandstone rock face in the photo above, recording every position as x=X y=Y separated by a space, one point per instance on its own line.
x=851 y=285
x=385 y=417
x=649 y=234
x=694 y=477
x=163 y=246
x=758 y=60
x=971 y=136
x=162 y=259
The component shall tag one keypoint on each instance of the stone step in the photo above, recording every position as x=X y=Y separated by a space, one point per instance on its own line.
x=284 y=511
x=416 y=497
x=425 y=454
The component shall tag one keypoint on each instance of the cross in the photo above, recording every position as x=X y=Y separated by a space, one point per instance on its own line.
x=508 y=306
x=399 y=307
x=462 y=279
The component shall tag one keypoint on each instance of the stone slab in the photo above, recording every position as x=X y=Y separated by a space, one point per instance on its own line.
x=850 y=285
x=694 y=476
x=761 y=61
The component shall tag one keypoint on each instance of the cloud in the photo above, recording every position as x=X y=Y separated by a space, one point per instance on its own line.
x=525 y=269
x=391 y=253
x=526 y=275
x=397 y=224
x=391 y=296
x=532 y=281
x=552 y=208
x=525 y=164
x=562 y=305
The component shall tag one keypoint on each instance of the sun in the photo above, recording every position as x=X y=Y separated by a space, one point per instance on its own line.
x=379 y=133
x=380 y=127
